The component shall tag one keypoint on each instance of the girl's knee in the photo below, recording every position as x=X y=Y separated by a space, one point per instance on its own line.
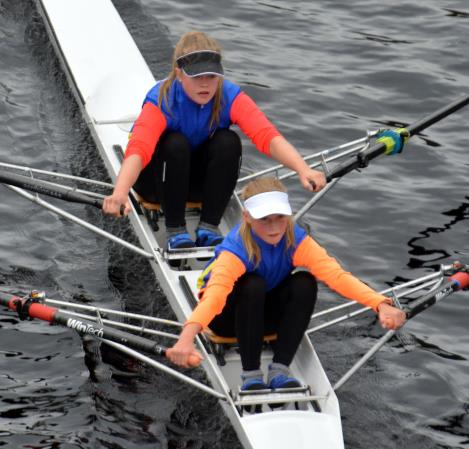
x=251 y=281
x=251 y=286
x=174 y=146
x=304 y=281
x=229 y=137
x=226 y=145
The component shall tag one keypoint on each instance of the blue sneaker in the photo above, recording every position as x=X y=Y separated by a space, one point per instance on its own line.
x=254 y=384
x=283 y=381
x=204 y=237
x=179 y=241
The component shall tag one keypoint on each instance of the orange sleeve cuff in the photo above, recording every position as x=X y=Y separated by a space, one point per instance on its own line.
x=226 y=270
x=252 y=122
x=314 y=257
x=146 y=132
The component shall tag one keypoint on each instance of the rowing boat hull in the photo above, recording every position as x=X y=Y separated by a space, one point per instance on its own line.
x=109 y=78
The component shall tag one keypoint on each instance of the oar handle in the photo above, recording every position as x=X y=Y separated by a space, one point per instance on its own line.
x=29 y=308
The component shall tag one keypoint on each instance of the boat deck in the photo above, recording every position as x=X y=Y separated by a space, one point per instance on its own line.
x=110 y=78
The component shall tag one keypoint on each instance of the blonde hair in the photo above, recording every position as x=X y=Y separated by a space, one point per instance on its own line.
x=261 y=185
x=189 y=42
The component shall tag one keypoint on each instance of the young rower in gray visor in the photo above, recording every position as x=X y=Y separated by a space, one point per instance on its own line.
x=182 y=148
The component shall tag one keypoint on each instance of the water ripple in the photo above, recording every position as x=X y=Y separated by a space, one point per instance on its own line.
x=324 y=72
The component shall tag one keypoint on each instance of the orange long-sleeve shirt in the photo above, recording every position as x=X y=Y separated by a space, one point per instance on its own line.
x=228 y=268
x=151 y=123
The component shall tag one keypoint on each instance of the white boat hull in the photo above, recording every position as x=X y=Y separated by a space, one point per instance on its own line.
x=110 y=79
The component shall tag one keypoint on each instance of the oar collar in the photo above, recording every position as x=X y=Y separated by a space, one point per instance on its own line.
x=22 y=305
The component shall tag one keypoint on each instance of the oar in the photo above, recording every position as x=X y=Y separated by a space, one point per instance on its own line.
x=457 y=281
x=31 y=308
x=54 y=190
x=362 y=159
x=44 y=187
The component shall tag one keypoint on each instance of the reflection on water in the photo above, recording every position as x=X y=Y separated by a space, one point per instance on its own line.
x=428 y=256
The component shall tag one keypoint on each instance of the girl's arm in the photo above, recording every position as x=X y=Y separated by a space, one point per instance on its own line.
x=146 y=132
x=128 y=174
x=285 y=153
x=311 y=255
x=263 y=134
x=225 y=271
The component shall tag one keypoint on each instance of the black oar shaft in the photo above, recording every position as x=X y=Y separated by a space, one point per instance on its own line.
x=83 y=327
x=379 y=148
x=420 y=125
x=45 y=188
x=431 y=298
x=457 y=282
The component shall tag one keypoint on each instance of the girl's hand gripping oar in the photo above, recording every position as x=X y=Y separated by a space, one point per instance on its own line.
x=116 y=205
x=183 y=353
x=187 y=357
x=458 y=281
x=391 y=317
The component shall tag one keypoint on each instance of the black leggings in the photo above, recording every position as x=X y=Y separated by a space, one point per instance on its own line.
x=177 y=174
x=251 y=312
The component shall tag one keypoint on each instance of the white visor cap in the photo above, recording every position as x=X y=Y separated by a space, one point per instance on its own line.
x=268 y=203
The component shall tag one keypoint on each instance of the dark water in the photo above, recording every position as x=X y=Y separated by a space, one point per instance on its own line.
x=324 y=72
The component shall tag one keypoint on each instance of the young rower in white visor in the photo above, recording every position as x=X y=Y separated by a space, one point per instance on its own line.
x=249 y=289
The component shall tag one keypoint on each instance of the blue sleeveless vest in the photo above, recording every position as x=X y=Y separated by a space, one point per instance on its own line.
x=192 y=119
x=275 y=265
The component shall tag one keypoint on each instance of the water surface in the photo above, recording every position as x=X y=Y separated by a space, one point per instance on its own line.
x=324 y=72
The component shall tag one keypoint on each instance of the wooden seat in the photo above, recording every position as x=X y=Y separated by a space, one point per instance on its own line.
x=219 y=340
x=157 y=207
